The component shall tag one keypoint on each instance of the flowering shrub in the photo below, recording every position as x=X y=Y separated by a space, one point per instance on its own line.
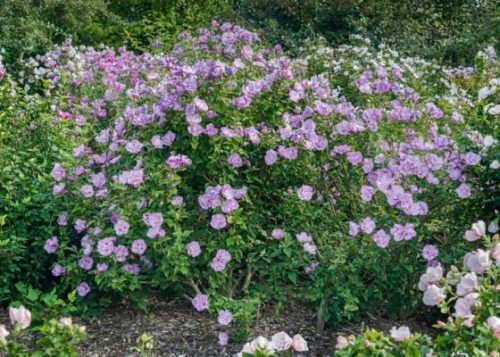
x=469 y=296
x=225 y=168
x=29 y=144
x=53 y=338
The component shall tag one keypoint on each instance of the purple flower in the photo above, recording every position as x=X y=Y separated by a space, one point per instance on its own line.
x=121 y=253
x=98 y=180
x=59 y=188
x=62 y=219
x=106 y=246
x=367 y=225
x=278 y=233
x=381 y=238
x=87 y=191
x=353 y=229
x=177 y=201
x=463 y=191
x=121 y=227
x=367 y=193
x=133 y=146
x=200 y=302
x=131 y=268
x=153 y=219
x=58 y=270
x=235 y=160
x=86 y=262
x=102 y=267
x=218 y=221
x=429 y=252
x=80 y=225
x=193 y=249
x=134 y=177
x=288 y=153
x=303 y=238
x=305 y=192
x=354 y=157
x=51 y=245
x=309 y=248
x=155 y=232
x=222 y=257
x=138 y=247
x=224 y=317
x=398 y=232
x=229 y=206
x=271 y=157
x=58 y=172
x=83 y=289
x=223 y=338
x=178 y=161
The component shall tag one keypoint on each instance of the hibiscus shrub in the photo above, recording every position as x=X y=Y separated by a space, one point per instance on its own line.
x=226 y=169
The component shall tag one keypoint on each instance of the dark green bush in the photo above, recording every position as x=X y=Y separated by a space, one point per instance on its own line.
x=448 y=31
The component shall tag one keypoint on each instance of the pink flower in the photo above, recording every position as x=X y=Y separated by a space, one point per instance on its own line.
x=20 y=317
x=478 y=261
x=401 y=333
x=281 y=341
x=478 y=230
x=299 y=344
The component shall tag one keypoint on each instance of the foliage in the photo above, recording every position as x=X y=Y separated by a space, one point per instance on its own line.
x=450 y=32
x=469 y=296
x=33 y=27
x=52 y=337
x=29 y=144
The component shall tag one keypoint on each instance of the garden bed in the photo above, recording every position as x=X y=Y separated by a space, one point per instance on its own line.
x=178 y=330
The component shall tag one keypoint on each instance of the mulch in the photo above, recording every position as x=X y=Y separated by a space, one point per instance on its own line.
x=178 y=330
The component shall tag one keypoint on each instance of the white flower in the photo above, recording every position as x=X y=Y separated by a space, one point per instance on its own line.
x=478 y=230
x=281 y=341
x=493 y=322
x=477 y=261
x=494 y=110
x=20 y=316
x=342 y=342
x=299 y=344
x=467 y=284
x=3 y=332
x=433 y=295
x=495 y=164
x=401 y=333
